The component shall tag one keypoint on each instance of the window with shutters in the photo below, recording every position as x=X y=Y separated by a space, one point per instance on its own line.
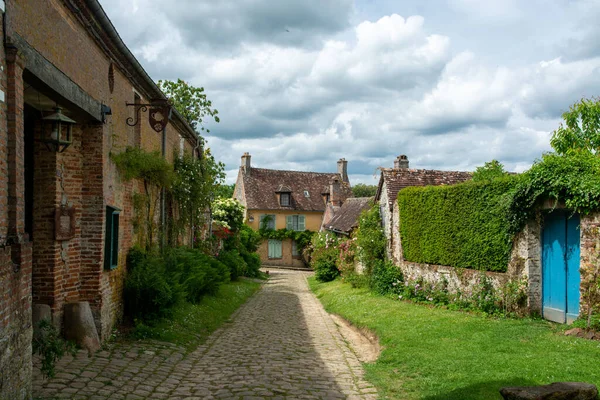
x=111 y=238
x=275 y=248
x=295 y=223
x=267 y=221
x=284 y=199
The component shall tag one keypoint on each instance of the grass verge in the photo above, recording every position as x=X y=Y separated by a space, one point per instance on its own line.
x=434 y=354
x=192 y=324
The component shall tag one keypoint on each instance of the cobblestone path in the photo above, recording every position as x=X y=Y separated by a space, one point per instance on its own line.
x=281 y=344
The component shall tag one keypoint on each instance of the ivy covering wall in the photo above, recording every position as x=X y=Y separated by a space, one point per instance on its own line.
x=463 y=225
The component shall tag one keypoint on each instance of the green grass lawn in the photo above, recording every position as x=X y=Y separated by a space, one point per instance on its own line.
x=192 y=324
x=432 y=353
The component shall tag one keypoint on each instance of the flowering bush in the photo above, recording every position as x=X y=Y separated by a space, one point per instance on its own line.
x=324 y=256
x=229 y=213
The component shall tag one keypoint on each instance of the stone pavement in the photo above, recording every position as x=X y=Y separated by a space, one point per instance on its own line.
x=281 y=344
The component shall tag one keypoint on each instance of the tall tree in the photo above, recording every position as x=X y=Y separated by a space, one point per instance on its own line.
x=581 y=129
x=363 y=190
x=190 y=101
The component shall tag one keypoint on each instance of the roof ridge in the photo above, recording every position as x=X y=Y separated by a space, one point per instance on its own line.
x=289 y=170
x=422 y=169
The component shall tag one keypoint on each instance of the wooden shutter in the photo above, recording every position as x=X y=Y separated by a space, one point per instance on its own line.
x=289 y=222
x=301 y=223
x=275 y=248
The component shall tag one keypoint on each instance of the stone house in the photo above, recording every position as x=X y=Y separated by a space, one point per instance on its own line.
x=293 y=200
x=70 y=91
x=392 y=180
x=343 y=220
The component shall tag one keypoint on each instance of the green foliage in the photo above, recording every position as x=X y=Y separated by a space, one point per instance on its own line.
x=253 y=264
x=235 y=262
x=386 y=278
x=224 y=191
x=150 y=167
x=50 y=346
x=156 y=284
x=229 y=213
x=573 y=179
x=461 y=226
x=489 y=171
x=581 y=132
x=190 y=101
x=302 y=238
x=363 y=190
x=370 y=238
x=249 y=239
x=324 y=256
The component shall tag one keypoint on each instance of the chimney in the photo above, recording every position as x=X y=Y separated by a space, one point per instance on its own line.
x=335 y=193
x=246 y=163
x=342 y=165
x=401 y=162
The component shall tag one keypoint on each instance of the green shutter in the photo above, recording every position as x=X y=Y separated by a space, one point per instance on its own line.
x=301 y=223
x=289 y=222
x=272 y=224
x=274 y=248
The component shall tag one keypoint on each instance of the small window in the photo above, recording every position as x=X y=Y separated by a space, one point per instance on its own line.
x=306 y=194
x=267 y=221
x=284 y=199
x=295 y=249
x=111 y=241
x=295 y=223
x=275 y=248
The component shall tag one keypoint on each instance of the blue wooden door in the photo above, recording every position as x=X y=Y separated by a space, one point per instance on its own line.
x=560 y=267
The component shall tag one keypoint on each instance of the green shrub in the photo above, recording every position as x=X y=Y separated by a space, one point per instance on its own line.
x=324 y=262
x=235 y=262
x=370 y=239
x=148 y=293
x=460 y=226
x=253 y=264
x=386 y=278
x=249 y=239
x=50 y=346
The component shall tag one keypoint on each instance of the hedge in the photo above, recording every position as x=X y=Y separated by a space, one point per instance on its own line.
x=462 y=225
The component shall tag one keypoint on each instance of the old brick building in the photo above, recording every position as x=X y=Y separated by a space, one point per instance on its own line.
x=62 y=212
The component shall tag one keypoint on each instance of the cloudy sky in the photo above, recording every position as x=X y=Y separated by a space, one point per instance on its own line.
x=302 y=83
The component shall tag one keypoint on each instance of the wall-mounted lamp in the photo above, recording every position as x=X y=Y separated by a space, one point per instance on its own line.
x=105 y=110
x=61 y=131
x=251 y=218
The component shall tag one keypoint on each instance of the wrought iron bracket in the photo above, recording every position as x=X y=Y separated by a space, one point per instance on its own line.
x=159 y=113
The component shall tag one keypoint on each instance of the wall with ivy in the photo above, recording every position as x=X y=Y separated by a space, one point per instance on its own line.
x=462 y=225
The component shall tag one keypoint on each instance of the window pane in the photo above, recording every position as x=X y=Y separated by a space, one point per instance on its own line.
x=285 y=199
x=301 y=223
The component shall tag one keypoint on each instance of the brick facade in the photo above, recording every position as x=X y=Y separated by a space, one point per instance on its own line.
x=65 y=54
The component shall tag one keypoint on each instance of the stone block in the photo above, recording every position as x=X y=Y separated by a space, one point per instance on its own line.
x=80 y=327
x=554 y=391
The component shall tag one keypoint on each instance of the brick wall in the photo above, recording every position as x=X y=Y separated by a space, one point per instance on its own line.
x=15 y=248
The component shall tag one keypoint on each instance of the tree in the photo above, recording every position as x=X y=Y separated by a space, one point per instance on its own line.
x=362 y=190
x=581 y=130
x=225 y=191
x=489 y=171
x=190 y=101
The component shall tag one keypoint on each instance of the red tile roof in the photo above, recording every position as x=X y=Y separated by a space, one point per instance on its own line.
x=261 y=187
x=398 y=178
x=346 y=218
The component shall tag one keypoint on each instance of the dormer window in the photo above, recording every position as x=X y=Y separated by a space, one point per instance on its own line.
x=284 y=199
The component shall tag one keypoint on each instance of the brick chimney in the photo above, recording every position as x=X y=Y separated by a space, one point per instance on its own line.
x=401 y=162
x=246 y=163
x=335 y=192
x=342 y=165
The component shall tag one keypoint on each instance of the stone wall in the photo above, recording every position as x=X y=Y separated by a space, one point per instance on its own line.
x=590 y=263
x=287 y=260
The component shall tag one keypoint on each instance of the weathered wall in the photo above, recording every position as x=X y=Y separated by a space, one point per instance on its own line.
x=590 y=262
x=313 y=219
x=287 y=259
x=15 y=248
x=386 y=220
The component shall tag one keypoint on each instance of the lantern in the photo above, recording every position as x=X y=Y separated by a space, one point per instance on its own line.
x=61 y=131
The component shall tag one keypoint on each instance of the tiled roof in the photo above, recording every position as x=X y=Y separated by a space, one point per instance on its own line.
x=398 y=178
x=261 y=187
x=346 y=218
